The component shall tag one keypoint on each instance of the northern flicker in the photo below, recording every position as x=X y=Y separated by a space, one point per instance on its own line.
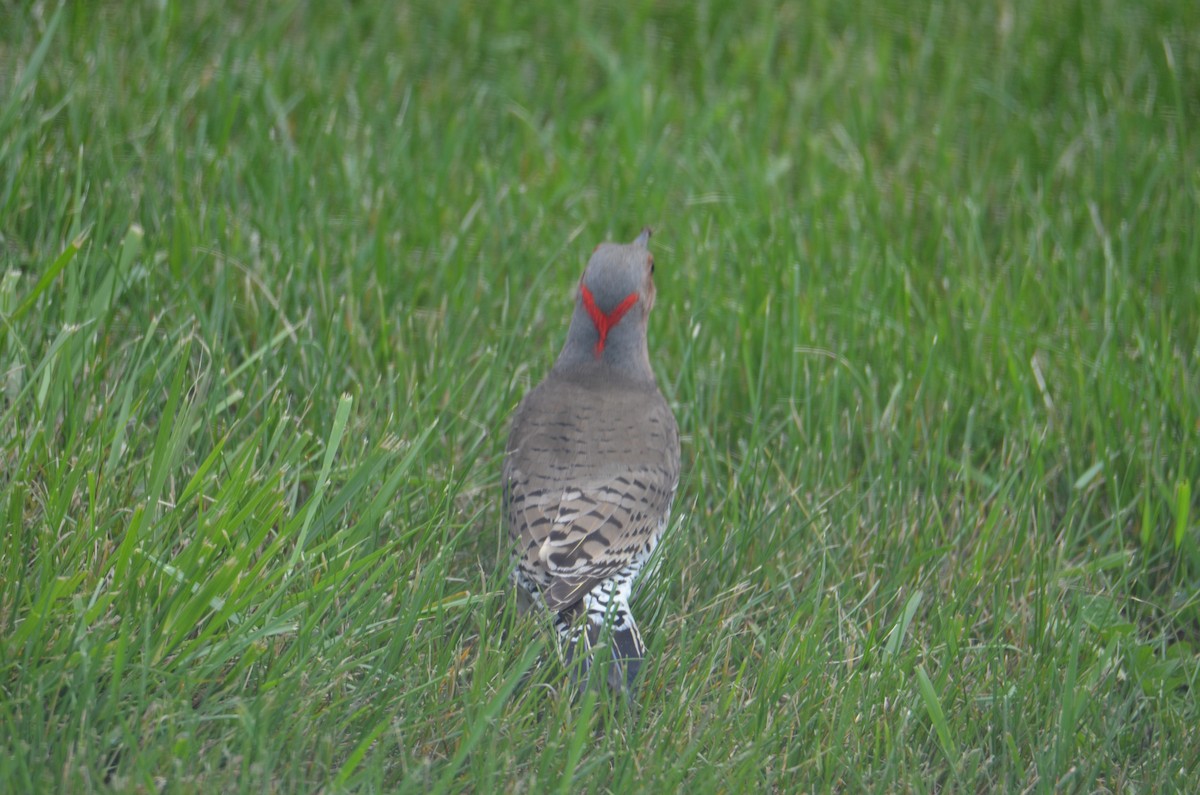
x=592 y=464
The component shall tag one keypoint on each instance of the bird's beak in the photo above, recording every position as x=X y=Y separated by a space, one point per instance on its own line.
x=643 y=239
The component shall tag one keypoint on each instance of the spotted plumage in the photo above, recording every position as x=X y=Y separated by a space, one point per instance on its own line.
x=592 y=465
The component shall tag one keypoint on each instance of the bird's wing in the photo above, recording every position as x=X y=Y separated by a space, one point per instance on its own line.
x=584 y=533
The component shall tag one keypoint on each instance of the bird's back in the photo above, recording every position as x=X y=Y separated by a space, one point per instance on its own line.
x=590 y=473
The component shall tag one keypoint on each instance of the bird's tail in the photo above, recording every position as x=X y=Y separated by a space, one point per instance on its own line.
x=611 y=642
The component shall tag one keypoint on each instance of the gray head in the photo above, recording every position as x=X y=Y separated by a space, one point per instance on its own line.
x=612 y=305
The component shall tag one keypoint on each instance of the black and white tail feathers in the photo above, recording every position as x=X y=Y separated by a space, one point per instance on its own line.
x=612 y=643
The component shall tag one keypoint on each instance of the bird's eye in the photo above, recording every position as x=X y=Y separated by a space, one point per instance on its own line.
x=651 y=261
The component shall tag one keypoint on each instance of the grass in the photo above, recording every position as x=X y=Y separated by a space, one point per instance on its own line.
x=276 y=274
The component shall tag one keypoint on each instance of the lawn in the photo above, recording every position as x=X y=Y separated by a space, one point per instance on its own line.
x=275 y=276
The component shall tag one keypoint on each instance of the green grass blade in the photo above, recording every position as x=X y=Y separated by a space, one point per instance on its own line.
x=314 y=503
x=933 y=708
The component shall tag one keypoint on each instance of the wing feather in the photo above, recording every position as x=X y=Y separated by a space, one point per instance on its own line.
x=580 y=505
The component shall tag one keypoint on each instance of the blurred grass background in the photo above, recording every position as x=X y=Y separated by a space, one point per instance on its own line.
x=275 y=275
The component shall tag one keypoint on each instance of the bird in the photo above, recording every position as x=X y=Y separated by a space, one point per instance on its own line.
x=591 y=468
